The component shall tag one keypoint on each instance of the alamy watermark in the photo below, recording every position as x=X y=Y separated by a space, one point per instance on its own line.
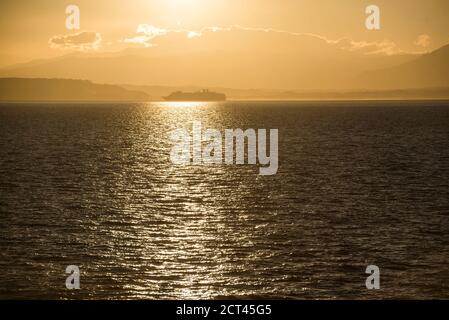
x=373 y=280
x=73 y=280
x=372 y=22
x=208 y=147
x=73 y=20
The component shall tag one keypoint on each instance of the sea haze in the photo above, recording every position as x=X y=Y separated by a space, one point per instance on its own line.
x=92 y=185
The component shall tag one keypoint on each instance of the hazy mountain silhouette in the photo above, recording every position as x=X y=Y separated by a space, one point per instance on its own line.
x=428 y=70
x=26 y=89
x=237 y=58
x=15 y=89
x=281 y=63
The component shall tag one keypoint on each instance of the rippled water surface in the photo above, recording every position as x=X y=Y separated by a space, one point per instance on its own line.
x=93 y=186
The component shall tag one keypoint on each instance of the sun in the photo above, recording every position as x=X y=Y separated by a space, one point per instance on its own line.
x=182 y=4
x=188 y=12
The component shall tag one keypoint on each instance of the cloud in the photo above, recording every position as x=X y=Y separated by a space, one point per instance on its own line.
x=374 y=47
x=380 y=47
x=422 y=40
x=147 y=34
x=144 y=34
x=82 y=41
x=193 y=34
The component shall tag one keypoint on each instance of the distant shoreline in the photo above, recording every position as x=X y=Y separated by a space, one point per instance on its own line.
x=24 y=90
x=215 y=102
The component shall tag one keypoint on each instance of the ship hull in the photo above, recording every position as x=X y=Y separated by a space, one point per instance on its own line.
x=193 y=100
x=195 y=96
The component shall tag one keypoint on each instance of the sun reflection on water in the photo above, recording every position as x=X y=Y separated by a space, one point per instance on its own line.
x=183 y=104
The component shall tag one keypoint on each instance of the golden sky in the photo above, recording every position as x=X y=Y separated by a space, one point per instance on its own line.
x=280 y=44
x=27 y=25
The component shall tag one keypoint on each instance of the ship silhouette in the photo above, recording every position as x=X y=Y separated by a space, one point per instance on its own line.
x=204 y=95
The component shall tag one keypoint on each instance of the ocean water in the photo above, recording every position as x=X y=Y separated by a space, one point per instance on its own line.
x=92 y=185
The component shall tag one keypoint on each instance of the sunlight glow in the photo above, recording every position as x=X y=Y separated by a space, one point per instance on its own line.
x=182 y=4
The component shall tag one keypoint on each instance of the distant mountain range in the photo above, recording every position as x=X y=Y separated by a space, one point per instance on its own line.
x=317 y=67
x=16 y=89
x=136 y=75
x=26 y=89
x=428 y=70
